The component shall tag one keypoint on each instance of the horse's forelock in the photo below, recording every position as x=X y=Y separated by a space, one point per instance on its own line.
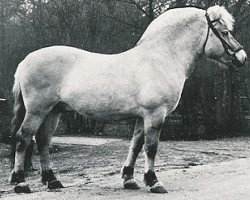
x=221 y=14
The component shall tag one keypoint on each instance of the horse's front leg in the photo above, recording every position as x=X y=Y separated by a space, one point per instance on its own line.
x=134 y=149
x=152 y=128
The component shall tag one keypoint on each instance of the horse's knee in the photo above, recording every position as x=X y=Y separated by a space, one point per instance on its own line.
x=151 y=150
x=137 y=143
x=151 y=142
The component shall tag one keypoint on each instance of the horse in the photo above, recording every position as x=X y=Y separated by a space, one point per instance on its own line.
x=145 y=82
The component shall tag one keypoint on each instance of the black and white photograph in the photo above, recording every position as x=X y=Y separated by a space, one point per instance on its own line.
x=124 y=99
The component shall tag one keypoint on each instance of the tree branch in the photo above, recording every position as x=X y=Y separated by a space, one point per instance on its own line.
x=139 y=7
x=238 y=7
x=121 y=21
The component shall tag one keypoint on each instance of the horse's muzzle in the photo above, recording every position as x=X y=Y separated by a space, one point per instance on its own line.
x=239 y=58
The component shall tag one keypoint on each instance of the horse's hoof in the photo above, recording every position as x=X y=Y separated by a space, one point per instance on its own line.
x=55 y=184
x=158 y=188
x=131 y=184
x=22 y=188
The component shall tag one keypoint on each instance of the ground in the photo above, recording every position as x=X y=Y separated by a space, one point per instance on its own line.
x=218 y=169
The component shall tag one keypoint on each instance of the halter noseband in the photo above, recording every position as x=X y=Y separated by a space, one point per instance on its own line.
x=225 y=44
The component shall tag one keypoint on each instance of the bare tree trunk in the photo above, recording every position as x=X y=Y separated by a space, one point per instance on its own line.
x=150 y=11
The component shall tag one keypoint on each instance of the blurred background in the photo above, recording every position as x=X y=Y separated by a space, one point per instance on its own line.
x=215 y=102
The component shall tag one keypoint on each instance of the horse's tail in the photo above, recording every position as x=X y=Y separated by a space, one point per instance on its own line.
x=18 y=115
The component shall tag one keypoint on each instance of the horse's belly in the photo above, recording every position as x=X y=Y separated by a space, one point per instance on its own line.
x=111 y=109
x=99 y=103
x=102 y=111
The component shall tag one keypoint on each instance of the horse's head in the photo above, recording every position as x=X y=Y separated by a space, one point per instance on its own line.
x=220 y=44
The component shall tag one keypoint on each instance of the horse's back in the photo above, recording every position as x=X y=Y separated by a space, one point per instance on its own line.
x=98 y=84
x=75 y=77
x=101 y=84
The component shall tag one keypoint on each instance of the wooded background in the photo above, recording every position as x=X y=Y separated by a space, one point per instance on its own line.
x=214 y=103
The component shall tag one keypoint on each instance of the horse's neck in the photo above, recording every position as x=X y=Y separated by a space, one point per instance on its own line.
x=180 y=44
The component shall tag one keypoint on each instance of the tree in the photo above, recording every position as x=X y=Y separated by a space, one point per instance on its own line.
x=112 y=26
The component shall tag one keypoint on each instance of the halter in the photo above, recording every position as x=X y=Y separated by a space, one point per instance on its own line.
x=225 y=44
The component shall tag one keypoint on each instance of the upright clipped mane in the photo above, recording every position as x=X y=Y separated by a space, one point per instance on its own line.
x=221 y=14
x=169 y=20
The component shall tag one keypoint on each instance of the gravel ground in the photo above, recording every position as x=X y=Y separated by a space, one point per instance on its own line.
x=218 y=169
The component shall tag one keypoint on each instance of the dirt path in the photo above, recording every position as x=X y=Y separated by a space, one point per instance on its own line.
x=225 y=181
x=83 y=140
x=199 y=170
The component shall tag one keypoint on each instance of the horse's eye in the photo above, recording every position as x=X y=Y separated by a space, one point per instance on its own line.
x=225 y=32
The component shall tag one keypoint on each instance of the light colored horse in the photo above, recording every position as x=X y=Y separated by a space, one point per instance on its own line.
x=145 y=81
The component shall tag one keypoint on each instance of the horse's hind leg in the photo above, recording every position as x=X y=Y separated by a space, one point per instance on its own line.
x=43 y=138
x=135 y=148
x=29 y=127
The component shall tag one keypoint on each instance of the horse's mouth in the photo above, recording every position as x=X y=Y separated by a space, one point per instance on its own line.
x=234 y=61
x=237 y=63
x=239 y=58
